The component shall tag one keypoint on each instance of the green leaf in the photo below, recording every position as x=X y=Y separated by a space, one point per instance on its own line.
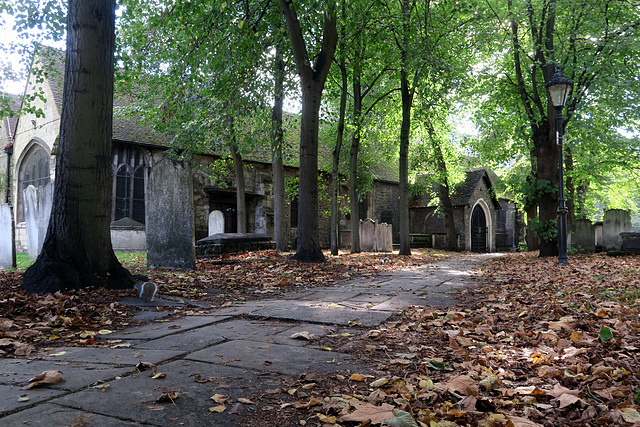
x=434 y=364
x=401 y=419
x=605 y=334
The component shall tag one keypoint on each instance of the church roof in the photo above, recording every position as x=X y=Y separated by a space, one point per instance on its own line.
x=463 y=192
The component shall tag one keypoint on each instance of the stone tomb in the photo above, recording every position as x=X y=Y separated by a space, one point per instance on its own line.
x=616 y=221
x=224 y=243
x=630 y=242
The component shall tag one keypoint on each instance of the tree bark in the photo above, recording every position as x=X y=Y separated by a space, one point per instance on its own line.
x=355 y=147
x=335 y=178
x=407 y=91
x=277 y=138
x=238 y=169
x=571 y=188
x=312 y=82
x=77 y=250
x=451 y=239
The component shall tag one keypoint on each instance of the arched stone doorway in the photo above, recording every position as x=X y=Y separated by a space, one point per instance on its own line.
x=478 y=230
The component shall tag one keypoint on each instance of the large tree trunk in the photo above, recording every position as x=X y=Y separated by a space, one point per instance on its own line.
x=405 y=129
x=451 y=240
x=335 y=178
x=238 y=168
x=77 y=250
x=355 y=147
x=312 y=82
x=407 y=91
x=277 y=138
x=547 y=171
x=571 y=188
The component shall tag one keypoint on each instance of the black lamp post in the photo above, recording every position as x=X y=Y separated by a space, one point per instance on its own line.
x=558 y=87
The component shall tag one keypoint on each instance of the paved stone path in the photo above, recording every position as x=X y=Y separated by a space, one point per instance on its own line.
x=235 y=351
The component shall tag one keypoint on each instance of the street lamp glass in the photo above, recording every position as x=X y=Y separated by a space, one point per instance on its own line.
x=558 y=88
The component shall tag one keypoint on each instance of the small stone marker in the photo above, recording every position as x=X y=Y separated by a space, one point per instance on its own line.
x=216 y=222
x=170 y=216
x=7 y=252
x=368 y=235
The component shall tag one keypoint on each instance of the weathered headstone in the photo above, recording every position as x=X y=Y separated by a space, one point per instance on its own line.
x=384 y=238
x=216 y=223
x=170 y=216
x=584 y=236
x=37 y=210
x=368 y=235
x=7 y=252
x=615 y=221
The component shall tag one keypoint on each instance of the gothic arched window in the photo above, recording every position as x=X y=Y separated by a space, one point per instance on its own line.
x=34 y=170
x=127 y=199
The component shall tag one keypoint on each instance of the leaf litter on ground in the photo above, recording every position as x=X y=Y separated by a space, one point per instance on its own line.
x=533 y=343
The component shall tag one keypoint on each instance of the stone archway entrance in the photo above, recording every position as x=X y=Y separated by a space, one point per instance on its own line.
x=478 y=230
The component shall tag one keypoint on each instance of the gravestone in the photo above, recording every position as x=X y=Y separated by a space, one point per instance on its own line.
x=216 y=223
x=384 y=238
x=368 y=235
x=584 y=236
x=170 y=216
x=7 y=252
x=615 y=221
x=37 y=210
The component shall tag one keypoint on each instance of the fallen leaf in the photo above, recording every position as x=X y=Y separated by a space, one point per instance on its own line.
x=368 y=412
x=304 y=335
x=463 y=384
x=218 y=409
x=45 y=378
x=219 y=398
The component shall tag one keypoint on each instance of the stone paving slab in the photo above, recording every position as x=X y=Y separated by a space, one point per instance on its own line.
x=158 y=330
x=134 y=398
x=283 y=359
x=9 y=395
x=302 y=312
x=318 y=331
x=18 y=372
x=112 y=356
x=332 y=295
x=186 y=342
x=50 y=415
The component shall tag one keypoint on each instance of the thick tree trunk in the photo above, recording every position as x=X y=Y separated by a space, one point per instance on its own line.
x=308 y=248
x=335 y=178
x=312 y=84
x=571 y=188
x=547 y=171
x=277 y=138
x=451 y=240
x=77 y=250
x=405 y=129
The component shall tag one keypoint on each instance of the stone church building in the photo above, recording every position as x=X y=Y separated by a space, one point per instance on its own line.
x=30 y=147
